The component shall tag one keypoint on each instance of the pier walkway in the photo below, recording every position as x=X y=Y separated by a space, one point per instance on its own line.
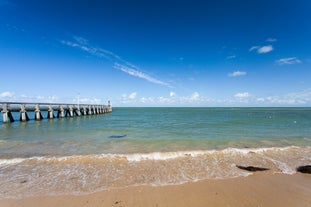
x=54 y=110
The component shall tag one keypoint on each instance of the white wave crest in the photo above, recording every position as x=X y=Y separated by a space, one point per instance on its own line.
x=4 y=162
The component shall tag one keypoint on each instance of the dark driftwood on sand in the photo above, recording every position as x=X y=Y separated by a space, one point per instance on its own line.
x=252 y=168
x=304 y=169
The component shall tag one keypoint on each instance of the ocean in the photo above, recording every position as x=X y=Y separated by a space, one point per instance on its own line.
x=148 y=146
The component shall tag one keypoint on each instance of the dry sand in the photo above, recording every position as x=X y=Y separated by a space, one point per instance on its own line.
x=260 y=189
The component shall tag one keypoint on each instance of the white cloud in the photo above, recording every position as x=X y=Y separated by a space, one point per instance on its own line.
x=288 y=61
x=87 y=100
x=132 y=95
x=295 y=98
x=172 y=99
x=129 y=98
x=138 y=74
x=172 y=94
x=237 y=73
x=39 y=97
x=271 y=39
x=52 y=98
x=6 y=94
x=120 y=64
x=12 y=97
x=195 y=96
x=300 y=98
x=260 y=99
x=242 y=95
x=263 y=49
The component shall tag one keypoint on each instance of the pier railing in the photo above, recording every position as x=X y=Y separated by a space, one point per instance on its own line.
x=54 y=110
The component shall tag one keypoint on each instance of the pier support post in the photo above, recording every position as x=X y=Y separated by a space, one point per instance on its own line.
x=90 y=110
x=6 y=113
x=70 y=111
x=77 y=111
x=60 y=112
x=50 y=113
x=84 y=111
x=38 y=115
x=94 y=110
x=23 y=115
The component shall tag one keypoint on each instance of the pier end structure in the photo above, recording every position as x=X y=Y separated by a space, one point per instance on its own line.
x=63 y=110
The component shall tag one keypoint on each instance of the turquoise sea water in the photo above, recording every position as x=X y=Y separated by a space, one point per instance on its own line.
x=156 y=146
x=142 y=130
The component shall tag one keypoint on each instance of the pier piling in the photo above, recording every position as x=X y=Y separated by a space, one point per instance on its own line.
x=23 y=115
x=60 y=112
x=5 y=113
x=38 y=115
x=50 y=113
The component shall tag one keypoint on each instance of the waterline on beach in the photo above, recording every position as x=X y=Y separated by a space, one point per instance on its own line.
x=86 y=174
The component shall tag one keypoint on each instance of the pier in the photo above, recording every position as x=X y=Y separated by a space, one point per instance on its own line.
x=54 y=110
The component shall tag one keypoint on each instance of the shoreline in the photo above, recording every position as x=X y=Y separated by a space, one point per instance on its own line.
x=258 y=189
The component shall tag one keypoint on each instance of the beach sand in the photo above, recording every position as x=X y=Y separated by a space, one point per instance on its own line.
x=259 y=189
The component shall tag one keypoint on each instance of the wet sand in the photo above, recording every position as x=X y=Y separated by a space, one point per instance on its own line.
x=260 y=189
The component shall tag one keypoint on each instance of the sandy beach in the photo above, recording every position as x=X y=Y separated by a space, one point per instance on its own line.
x=259 y=189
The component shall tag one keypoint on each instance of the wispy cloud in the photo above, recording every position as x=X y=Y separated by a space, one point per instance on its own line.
x=81 y=40
x=99 y=52
x=119 y=63
x=271 y=39
x=230 y=57
x=288 y=61
x=139 y=74
x=254 y=48
x=237 y=73
x=262 y=49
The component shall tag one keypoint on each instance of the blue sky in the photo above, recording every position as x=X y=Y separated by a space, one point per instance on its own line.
x=157 y=53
